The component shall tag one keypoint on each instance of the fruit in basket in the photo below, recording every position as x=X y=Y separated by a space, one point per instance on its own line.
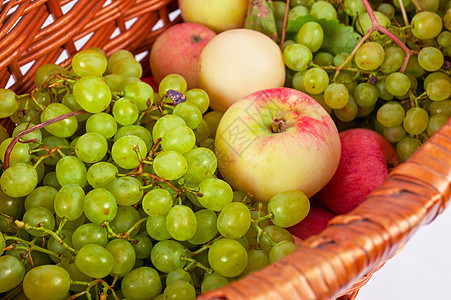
x=366 y=158
x=276 y=140
x=219 y=15
x=314 y=223
x=177 y=51
x=237 y=63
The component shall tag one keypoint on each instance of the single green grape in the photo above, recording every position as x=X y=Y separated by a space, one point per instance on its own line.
x=166 y=255
x=393 y=59
x=315 y=80
x=416 y=120
x=426 y=25
x=20 y=152
x=174 y=82
x=387 y=9
x=101 y=174
x=199 y=98
x=126 y=217
x=70 y=169
x=165 y=124
x=46 y=282
x=170 y=165
x=94 y=260
x=281 y=249
x=178 y=274
x=142 y=245
x=181 y=222
x=227 y=257
x=128 y=151
x=323 y=10
x=156 y=228
x=102 y=123
x=391 y=114
x=123 y=254
x=439 y=89
x=289 y=208
x=212 y=282
x=179 y=290
x=297 y=56
x=353 y=8
x=140 y=93
x=92 y=93
x=39 y=217
x=216 y=194
x=157 y=202
x=69 y=202
x=257 y=259
x=34 y=135
x=276 y=234
x=55 y=246
x=12 y=272
x=127 y=66
x=430 y=58
x=19 y=180
x=189 y=113
x=206 y=227
x=126 y=190
x=436 y=121
x=8 y=103
x=366 y=94
x=89 y=233
x=64 y=128
x=141 y=283
x=100 y=206
x=202 y=131
x=349 y=112
x=139 y=131
x=311 y=35
x=364 y=24
x=89 y=62
x=369 y=56
x=42 y=196
x=394 y=134
x=125 y=111
x=336 y=95
x=397 y=84
x=212 y=118
x=234 y=220
x=91 y=147
x=406 y=147
x=44 y=72
x=180 y=139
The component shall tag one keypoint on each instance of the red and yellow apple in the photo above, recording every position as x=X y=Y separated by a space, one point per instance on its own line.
x=218 y=15
x=237 y=63
x=276 y=140
x=177 y=51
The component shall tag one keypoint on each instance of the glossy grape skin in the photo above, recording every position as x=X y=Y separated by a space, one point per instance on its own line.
x=39 y=217
x=363 y=24
x=52 y=142
x=94 y=261
x=89 y=233
x=100 y=206
x=91 y=147
x=157 y=202
x=125 y=218
x=102 y=123
x=174 y=82
x=125 y=112
x=179 y=290
x=397 y=84
x=234 y=220
x=206 y=227
x=71 y=170
x=281 y=249
x=142 y=245
x=366 y=94
x=126 y=190
x=202 y=164
x=165 y=255
x=227 y=257
x=416 y=120
x=36 y=134
x=41 y=196
x=64 y=128
x=46 y=282
x=297 y=56
x=276 y=234
x=124 y=256
x=436 y=122
x=44 y=72
x=289 y=208
x=189 y=113
x=123 y=152
x=89 y=62
x=311 y=35
x=336 y=95
x=180 y=139
x=101 y=174
x=12 y=272
x=350 y=111
x=56 y=247
x=323 y=10
x=181 y=222
x=140 y=93
x=406 y=147
x=216 y=194
x=369 y=56
x=426 y=25
x=92 y=93
x=139 y=131
x=315 y=80
x=212 y=282
x=391 y=114
x=8 y=103
x=156 y=228
x=69 y=202
x=141 y=283
x=257 y=259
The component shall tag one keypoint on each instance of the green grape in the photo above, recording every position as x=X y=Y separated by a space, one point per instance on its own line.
x=43 y=196
x=126 y=217
x=127 y=190
x=94 y=260
x=124 y=256
x=70 y=169
x=2 y=243
x=101 y=174
x=100 y=206
x=174 y=82
x=127 y=67
x=19 y=180
x=39 y=217
x=69 y=101
x=206 y=227
x=430 y=58
x=141 y=283
x=336 y=95
x=202 y=131
x=102 y=123
x=118 y=55
x=180 y=139
x=387 y=9
x=89 y=233
x=434 y=76
x=12 y=272
x=369 y=56
x=44 y=72
x=234 y=220
x=323 y=10
x=276 y=234
x=41 y=99
x=125 y=112
x=391 y=114
x=142 y=245
x=212 y=118
x=363 y=24
x=189 y=113
x=140 y=93
x=311 y=35
x=416 y=120
x=413 y=67
x=53 y=142
x=440 y=107
x=212 y=282
x=383 y=93
x=340 y=58
x=298 y=81
x=281 y=249
x=64 y=128
x=439 y=89
x=227 y=257
x=315 y=80
x=156 y=228
x=444 y=39
x=393 y=59
x=75 y=274
x=55 y=246
x=181 y=222
x=128 y=150
x=3 y=133
x=216 y=194
x=34 y=135
x=166 y=255
x=51 y=180
x=92 y=93
x=258 y=259
x=406 y=147
x=347 y=79
x=46 y=282
x=157 y=202
x=199 y=98
x=366 y=94
x=447 y=17
x=435 y=122
x=287 y=43
x=91 y=147
x=324 y=58
x=279 y=9
x=297 y=11
x=289 y=208
x=89 y=62
x=19 y=153
x=69 y=202
x=170 y=165
x=116 y=82
x=397 y=84
x=297 y=56
x=136 y=130
x=354 y=8
x=179 y=290
x=165 y=124
x=394 y=134
x=178 y=274
x=426 y=25
x=8 y=103
x=349 y=112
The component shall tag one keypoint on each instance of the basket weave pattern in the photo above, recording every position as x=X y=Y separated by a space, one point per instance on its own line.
x=335 y=263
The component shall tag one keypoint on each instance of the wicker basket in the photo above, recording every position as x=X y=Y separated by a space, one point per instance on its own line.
x=333 y=264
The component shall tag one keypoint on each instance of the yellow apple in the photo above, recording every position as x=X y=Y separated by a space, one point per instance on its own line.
x=218 y=15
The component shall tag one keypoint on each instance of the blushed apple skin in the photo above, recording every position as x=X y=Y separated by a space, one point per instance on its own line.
x=363 y=168
x=254 y=159
x=177 y=51
x=315 y=222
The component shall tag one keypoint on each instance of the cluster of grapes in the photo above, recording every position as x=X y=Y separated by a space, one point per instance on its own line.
x=110 y=188
x=396 y=80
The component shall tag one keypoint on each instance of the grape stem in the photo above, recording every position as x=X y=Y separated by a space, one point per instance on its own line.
x=375 y=26
x=31 y=246
x=285 y=20
x=125 y=235
x=157 y=179
x=61 y=225
x=36 y=127
x=194 y=263
x=403 y=12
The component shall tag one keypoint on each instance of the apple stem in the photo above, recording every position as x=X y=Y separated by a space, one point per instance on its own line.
x=277 y=125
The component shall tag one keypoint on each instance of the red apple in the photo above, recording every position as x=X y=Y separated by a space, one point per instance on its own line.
x=276 y=140
x=177 y=51
x=315 y=222
x=365 y=159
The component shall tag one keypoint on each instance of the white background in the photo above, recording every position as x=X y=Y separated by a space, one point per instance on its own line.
x=421 y=271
